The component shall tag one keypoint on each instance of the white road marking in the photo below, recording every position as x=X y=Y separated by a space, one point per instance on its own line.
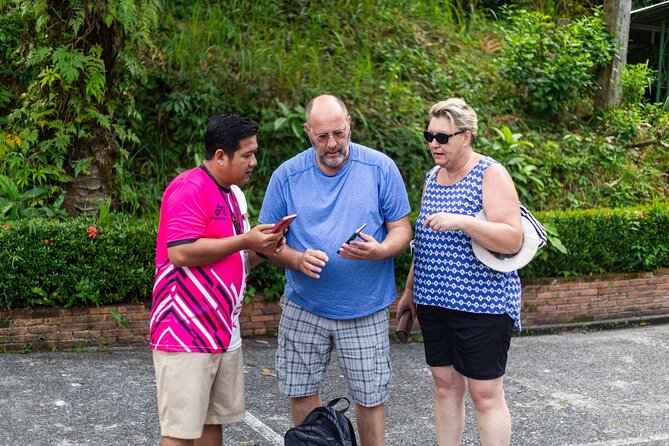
x=628 y=442
x=264 y=430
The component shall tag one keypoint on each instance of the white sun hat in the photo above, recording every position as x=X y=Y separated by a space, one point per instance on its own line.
x=507 y=263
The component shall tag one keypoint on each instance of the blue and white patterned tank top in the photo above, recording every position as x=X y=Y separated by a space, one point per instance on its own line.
x=446 y=271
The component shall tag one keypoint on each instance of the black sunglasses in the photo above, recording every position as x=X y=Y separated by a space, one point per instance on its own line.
x=442 y=138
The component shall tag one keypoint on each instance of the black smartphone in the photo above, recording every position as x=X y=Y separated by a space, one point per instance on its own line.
x=354 y=235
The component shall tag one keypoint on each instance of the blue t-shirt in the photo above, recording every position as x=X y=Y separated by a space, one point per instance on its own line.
x=368 y=189
x=446 y=271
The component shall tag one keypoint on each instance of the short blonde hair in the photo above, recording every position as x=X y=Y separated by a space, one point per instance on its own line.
x=461 y=115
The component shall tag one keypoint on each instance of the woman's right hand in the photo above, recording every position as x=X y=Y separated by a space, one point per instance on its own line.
x=443 y=221
x=406 y=303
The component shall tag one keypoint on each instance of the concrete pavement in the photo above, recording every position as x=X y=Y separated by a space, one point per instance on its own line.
x=575 y=389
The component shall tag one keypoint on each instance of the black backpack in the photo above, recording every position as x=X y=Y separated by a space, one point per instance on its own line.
x=324 y=425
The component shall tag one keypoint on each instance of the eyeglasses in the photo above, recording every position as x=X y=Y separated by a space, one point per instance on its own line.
x=442 y=138
x=322 y=138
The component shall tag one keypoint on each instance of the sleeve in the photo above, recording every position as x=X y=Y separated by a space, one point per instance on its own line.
x=185 y=211
x=394 y=198
x=274 y=204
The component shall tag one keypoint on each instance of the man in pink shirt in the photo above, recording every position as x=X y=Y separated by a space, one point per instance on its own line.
x=205 y=247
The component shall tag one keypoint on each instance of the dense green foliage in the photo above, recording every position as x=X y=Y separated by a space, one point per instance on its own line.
x=553 y=67
x=110 y=260
x=390 y=61
x=77 y=63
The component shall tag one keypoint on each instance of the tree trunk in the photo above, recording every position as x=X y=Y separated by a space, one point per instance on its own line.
x=93 y=186
x=617 y=16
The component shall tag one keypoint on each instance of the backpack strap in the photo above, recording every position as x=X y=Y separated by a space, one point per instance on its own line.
x=335 y=401
x=354 y=441
x=331 y=405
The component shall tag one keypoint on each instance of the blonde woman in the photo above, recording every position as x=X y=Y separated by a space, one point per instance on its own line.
x=466 y=310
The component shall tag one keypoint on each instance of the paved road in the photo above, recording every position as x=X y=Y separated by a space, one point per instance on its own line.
x=576 y=389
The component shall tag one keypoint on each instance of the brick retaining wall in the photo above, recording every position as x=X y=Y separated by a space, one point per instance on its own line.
x=595 y=298
x=546 y=302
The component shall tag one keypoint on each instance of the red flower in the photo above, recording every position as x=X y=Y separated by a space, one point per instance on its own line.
x=46 y=240
x=92 y=231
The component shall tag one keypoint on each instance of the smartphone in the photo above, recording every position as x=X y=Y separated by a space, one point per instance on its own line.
x=354 y=235
x=283 y=224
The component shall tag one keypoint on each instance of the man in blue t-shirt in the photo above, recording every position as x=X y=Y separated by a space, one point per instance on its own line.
x=337 y=294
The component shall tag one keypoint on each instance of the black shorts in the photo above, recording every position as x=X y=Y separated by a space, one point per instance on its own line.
x=476 y=345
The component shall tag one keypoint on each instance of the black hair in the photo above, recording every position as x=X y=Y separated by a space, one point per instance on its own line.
x=225 y=132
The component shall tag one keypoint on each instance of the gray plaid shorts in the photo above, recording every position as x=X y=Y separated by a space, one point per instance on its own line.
x=362 y=348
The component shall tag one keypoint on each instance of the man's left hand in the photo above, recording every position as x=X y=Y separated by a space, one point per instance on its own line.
x=367 y=249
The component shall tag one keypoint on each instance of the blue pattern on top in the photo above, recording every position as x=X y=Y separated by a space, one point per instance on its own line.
x=446 y=271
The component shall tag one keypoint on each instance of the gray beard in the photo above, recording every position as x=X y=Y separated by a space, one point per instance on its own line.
x=333 y=162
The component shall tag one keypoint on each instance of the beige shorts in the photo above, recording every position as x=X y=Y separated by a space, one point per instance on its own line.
x=195 y=389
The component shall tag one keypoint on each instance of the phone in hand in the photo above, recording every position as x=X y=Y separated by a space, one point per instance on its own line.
x=283 y=224
x=354 y=235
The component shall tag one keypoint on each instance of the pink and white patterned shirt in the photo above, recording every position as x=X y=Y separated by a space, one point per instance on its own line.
x=196 y=308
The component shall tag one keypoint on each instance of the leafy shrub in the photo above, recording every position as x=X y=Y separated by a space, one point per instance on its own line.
x=73 y=262
x=623 y=165
x=15 y=204
x=78 y=262
x=636 y=80
x=553 y=67
x=600 y=241
x=595 y=170
x=509 y=149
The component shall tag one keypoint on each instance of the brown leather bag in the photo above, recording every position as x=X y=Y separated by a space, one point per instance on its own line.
x=404 y=326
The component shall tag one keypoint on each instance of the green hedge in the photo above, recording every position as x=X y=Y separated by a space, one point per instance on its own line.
x=600 y=241
x=57 y=263
x=52 y=262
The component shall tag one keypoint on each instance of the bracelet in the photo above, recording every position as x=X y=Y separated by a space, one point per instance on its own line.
x=261 y=255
